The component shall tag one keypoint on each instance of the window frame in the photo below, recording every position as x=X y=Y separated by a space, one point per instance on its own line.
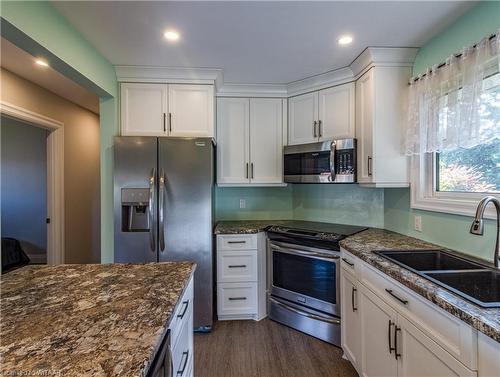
x=423 y=194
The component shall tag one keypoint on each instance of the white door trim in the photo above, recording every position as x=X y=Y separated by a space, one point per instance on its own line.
x=55 y=175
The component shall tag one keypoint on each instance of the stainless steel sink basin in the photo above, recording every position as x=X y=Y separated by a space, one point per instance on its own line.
x=429 y=260
x=470 y=280
x=480 y=287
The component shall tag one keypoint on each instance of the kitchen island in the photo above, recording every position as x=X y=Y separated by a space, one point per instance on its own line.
x=92 y=320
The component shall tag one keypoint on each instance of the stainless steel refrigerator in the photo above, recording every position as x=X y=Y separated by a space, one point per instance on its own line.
x=163 y=208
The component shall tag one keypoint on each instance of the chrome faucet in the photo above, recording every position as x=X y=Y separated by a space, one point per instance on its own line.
x=477 y=226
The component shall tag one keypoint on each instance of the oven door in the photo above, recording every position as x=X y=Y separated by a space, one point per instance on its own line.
x=305 y=275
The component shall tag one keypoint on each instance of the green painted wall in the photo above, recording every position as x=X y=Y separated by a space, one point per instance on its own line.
x=348 y=204
x=480 y=21
x=262 y=203
x=445 y=229
x=40 y=30
x=344 y=204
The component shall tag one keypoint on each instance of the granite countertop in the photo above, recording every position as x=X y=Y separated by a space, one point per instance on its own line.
x=362 y=245
x=245 y=226
x=89 y=319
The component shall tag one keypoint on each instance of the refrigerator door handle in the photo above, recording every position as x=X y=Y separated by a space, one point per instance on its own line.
x=152 y=190
x=161 y=204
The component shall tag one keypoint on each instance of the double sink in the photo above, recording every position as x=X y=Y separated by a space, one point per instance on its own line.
x=470 y=280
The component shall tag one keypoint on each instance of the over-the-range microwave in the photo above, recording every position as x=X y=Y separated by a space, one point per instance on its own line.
x=331 y=161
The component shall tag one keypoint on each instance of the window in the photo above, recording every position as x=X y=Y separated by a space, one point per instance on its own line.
x=454 y=134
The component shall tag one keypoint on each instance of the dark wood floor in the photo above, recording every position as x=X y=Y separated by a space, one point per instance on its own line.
x=265 y=349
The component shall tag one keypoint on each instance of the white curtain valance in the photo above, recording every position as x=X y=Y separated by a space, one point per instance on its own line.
x=456 y=105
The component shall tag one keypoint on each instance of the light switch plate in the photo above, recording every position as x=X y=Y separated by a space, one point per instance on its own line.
x=418 y=223
x=243 y=203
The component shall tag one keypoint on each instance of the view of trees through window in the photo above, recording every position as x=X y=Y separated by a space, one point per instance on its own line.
x=475 y=169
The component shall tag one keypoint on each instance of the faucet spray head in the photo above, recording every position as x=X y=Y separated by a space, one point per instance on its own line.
x=477 y=227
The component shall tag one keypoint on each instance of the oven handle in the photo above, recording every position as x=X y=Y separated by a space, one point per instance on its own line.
x=301 y=312
x=310 y=254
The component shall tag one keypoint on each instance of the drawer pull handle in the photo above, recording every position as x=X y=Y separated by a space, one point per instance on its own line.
x=391 y=348
x=237 y=298
x=185 y=355
x=186 y=304
x=237 y=266
x=404 y=302
x=232 y=242
x=349 y=263
x=354 y=308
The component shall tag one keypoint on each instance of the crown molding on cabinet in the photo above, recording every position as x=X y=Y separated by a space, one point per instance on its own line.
x=252 y=90
x=383 y=57
x=371 y=56
x=321 y=81
x=138 y=73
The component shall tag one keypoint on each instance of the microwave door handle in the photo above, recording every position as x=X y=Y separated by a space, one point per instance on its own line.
x=151 y=210
x=333 y=163
x=161 y=212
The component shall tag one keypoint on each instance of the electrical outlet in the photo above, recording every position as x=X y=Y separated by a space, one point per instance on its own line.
x=243 y=203
x=418 y=223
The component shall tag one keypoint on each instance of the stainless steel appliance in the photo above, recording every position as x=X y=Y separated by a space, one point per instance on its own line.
x=304 y=276
x=324 y=162
x=163 y=208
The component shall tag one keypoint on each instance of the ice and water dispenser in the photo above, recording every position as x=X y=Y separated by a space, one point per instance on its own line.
x=135 y=210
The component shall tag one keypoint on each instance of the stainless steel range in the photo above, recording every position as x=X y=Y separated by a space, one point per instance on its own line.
x=304 y=277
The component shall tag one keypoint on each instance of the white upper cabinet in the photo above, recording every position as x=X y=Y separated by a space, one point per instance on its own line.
x=191 y=110
x=233 y=125
x=266 y=141
x=167 y=110
x=336 y=113
x=250 y=142
x=302 y=118
x=322 y=115
x=381 y=104
x=143 y=109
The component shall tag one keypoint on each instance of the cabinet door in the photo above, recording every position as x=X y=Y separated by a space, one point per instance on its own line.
x=143 y=108
x=378 y=321
x=266 y=142
x=233 y=117
x=422 y=357
x=336 y=112
x=351 y=321
x=364 y=126
x=191 y=110
x=302 y=113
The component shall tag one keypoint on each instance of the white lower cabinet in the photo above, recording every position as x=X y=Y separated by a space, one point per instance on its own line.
x=181 y=335
x=241 y=276
x=390 y=333
x=351 y=321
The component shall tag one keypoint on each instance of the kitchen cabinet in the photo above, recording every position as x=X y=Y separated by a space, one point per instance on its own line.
x=381 y=95
x=241 y=276
x=322 y=115
x=250 y=142
x=400 y=334
x=351 y=321
x=178 y=110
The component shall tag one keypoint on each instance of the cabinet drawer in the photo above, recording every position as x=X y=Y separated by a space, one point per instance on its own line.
x=237 y=242
x=181 y=352
x=449 y=332
x=237 y=266
x=236 y=298
x=182 y=313
x=350 y=263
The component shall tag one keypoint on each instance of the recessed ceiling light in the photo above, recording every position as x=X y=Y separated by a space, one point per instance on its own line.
x=41 y=62
x=345 y=39
x=171 y=35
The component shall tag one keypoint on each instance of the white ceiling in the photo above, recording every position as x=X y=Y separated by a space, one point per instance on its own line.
x=18 y=61
x=255 y=42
